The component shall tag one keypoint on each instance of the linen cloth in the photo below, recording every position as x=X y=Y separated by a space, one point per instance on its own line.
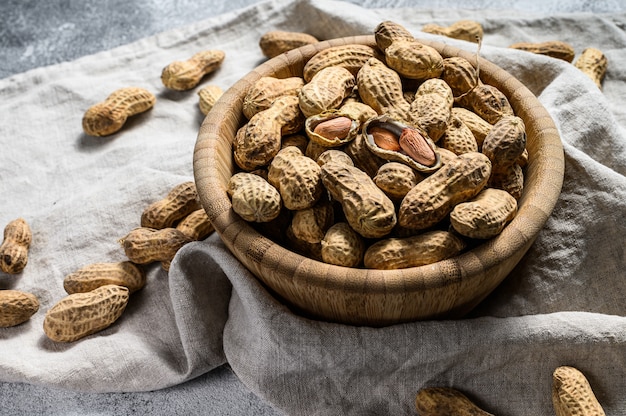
x=562 y=305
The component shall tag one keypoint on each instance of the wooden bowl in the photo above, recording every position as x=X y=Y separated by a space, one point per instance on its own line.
x=446 y=289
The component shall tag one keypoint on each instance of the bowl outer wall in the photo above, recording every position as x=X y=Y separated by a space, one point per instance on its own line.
x=446 y=289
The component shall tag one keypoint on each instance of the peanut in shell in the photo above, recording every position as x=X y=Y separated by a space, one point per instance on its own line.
x=485 y=215
x=414 y=60
x=17 y=238
x=268 y=89
x=572 y=394
x=16 y=307
x=81 y=314
x=275 y=42
x=342 y=246
x=468 y=30
x=297 y=178
x=326 y=90
x=505 y=142
x=553 y=48
x=431 y=200
x=402 y=252
x=351 y=57
x=366 y=207
x=380 y=87
x=387 y=32
x=253 y=198
x=94 y=275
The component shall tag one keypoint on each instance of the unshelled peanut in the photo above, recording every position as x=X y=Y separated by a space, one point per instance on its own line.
x=509 y=178
x=266 y=90
x=380 y=87
x=208 y=96
x=81 y=314
x=431 y=200
x=179 y=202
x=185 y=75
x=460 y=75
x=326 y=90
x=367 y=209
x=446 y=155
x=505 y=142
x=414 y=60
x=468 y=30
x=312 y=250
x=418 y=250
x=196 y=225
x=16 y=307
x=350 y=57
x=94 y=275
x=572 y=394
x=14 y=249
x=445 y=401
x=146 y=245
x=254 y=199
x=396 y=179
x=477 y=125
x=432 y=107
x=552 y=48
x=458 y=138
x=109 y=116
x=387 y=32
x=485 y=215
x=275 y=42
x=297 y=178
x=259 y=140
x=311 y=224
x=593 y=63
x=488 y=102
x=342 y=246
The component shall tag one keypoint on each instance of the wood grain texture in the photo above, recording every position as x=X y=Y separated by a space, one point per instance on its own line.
x=447 y=289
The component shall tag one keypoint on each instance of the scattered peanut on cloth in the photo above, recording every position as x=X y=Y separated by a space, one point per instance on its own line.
x=571 y=396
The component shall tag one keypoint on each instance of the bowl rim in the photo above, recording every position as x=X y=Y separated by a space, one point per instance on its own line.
x=535 y=205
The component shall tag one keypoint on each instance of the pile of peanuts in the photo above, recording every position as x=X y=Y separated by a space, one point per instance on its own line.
x=380 y=157
x=383 y=157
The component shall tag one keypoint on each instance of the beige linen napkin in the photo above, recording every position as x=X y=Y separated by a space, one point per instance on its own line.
x=563 y=304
